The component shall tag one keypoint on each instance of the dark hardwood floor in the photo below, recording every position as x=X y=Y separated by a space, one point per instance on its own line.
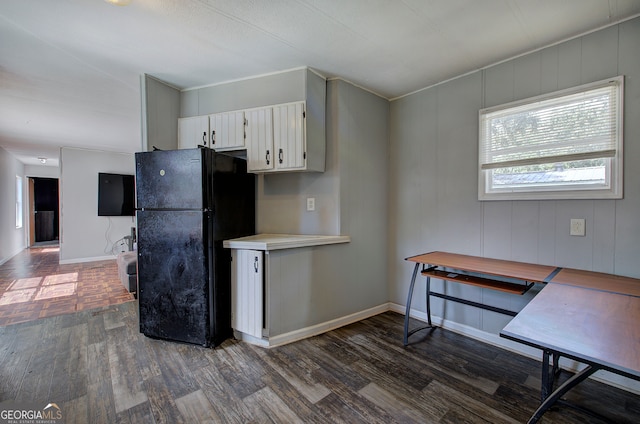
x=98 y=368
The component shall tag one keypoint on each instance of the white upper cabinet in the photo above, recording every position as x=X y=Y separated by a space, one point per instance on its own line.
x=260 y=156
x=193 y=132
x=277 y=138
x=280 y=119
x=289 y=136
x=227 y=130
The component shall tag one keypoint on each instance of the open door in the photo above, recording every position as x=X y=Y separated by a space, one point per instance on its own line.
x=32 y=212
x=43 y=210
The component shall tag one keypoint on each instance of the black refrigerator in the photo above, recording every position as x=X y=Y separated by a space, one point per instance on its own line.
x=188 y=202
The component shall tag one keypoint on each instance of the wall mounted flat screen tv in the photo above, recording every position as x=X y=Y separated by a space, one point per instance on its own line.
x=116 y=195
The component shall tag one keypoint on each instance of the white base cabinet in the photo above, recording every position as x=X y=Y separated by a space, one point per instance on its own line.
x=270 y=291
x=247 y=291
x=278 y=285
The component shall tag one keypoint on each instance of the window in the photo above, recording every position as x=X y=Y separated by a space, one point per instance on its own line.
x=18 y=201
x=563 y=145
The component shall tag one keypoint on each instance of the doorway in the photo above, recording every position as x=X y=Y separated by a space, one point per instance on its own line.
x=43 y=210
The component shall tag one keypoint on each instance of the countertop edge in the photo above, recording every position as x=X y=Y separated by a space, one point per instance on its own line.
x=295 y=241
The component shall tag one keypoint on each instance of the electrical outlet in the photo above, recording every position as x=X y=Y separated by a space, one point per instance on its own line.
x=311 y=204
x=577 y=227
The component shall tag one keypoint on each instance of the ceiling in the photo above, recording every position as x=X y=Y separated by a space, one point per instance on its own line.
x=70 y=69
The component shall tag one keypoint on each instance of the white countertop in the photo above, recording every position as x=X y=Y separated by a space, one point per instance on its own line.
x=282 y=241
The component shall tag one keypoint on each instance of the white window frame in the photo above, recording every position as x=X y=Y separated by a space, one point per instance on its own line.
x=19 y=203
x=610 y=189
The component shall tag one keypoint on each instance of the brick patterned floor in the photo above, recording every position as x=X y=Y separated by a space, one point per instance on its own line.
x=34 y=285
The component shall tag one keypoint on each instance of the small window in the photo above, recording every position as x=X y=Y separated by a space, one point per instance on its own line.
x=563 y=145
x=18 y=201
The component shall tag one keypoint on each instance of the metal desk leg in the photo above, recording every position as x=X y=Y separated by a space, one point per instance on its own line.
x=556 y=365
x=428 y=300
x=407 y=333
x=550 y=371
x=548 y=376
x=405 y=340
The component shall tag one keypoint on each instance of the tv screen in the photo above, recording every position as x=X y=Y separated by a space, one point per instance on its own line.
x=116 y=195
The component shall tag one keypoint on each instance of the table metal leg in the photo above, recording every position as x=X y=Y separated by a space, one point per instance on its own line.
x=550 y=397
x=556 y=365
x=547 y=376
x=407 y=333
x=428 y=300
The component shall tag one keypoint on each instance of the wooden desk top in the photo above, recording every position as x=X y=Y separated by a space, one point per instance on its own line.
x=598 y=281
x=588 y=316
x=510 y=269
x=596 y=326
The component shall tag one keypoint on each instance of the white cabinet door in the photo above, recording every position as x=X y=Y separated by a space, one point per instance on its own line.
x=247 y=291
x=260 y=156
x=227 y=130
x=193 y=131
x=289 y=136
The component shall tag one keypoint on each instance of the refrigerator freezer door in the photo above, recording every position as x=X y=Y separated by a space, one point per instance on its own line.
x=173 y=179
x=174 y=275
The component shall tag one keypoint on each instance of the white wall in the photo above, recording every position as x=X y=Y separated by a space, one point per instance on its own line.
x=12 y=239
x=160 y=109
x=345 y=279
x=434 y=187
x=266 y=90
x=433 y=196
x=85 y=236
x=42 y=171
x=359 y=121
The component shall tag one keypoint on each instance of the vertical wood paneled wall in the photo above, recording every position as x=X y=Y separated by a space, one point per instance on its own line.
x=433 y=195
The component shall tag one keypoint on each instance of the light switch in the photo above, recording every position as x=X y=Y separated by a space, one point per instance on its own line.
x=311 y=204
x=577 y=227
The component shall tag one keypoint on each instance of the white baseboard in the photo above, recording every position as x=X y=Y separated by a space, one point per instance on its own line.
x=313 y=330
x=250 y=339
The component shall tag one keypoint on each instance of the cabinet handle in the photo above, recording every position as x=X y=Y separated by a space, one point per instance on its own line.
x=213 y=137
x=268 y=157
x=280 y=159
x=204 y=138
x=255 y=264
